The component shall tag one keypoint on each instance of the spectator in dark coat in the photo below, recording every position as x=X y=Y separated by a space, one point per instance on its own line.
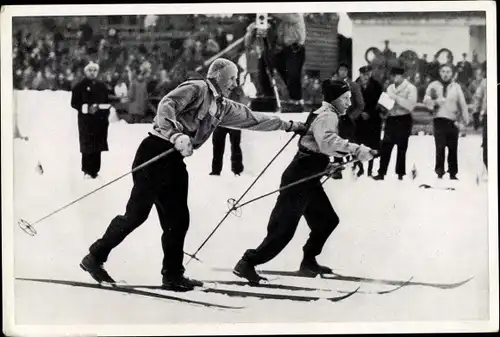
x=219 y=141
x=89 y=97
x=369 y=123
x=465 y=72
x=433 y=69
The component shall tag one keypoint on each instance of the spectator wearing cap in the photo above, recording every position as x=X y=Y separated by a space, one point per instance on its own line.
x=447 y=101
x=347 y=124
x=465 y=72
x=369 y=123
x=398 y=124
x=87 y=98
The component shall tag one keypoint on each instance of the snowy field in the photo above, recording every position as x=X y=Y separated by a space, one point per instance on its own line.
x=390 y=230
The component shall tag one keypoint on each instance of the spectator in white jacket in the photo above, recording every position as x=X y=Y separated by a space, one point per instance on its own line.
x=398 y=123
x=447 y=101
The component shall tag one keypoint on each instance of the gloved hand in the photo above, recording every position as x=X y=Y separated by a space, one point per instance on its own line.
x=459 y=126
x=297 y=127
x=334 y=168
x=364 y=153
x=93 y=109
x=183 y=144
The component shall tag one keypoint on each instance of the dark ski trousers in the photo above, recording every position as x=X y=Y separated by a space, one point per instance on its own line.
x=91 y=163
x=219 y=144
x=446 y=136
x=307 y=199
x=397 y=132
x=288 y=62
x=163 y=183
x=368 y=133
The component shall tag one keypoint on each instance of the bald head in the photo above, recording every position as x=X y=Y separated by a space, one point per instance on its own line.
x=225 y=73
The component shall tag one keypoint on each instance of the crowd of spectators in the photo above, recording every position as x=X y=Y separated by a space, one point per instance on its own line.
x=421 y=71
x=52 y=58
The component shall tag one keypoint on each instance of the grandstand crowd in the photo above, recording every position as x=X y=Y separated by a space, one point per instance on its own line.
x=48 y=60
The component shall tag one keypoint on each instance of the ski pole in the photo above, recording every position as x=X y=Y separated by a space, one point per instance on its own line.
x=29 y=227
x=295 y=183
x=327 y=172
x=193 y=256
x=270 y=71
x=221 y=53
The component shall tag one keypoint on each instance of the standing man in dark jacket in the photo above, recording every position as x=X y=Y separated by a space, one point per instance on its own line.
x=186 y=117
x=369 y=123
x=90 y=98
x=219 y=141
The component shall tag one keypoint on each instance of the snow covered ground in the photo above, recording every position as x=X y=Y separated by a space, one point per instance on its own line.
x=389 y=230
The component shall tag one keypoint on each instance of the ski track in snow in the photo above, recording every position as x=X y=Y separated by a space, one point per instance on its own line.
x=389 y=230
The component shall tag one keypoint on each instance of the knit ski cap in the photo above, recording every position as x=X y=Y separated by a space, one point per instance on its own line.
x=333 y=89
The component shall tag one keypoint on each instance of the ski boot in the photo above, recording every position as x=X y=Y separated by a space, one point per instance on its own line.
x=95 y=269
x=311 y=268
x=244 y=270
x=179 y=283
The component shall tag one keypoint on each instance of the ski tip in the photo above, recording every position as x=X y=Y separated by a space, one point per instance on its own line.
x=347 y=294
x=383 y=292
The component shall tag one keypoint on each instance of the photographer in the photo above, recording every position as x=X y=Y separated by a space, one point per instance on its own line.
x=284 y=51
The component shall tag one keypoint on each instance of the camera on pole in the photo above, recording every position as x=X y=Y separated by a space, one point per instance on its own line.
x=262 y=23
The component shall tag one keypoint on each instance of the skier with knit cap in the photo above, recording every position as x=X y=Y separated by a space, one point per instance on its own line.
x=186 y=117
x=307 y=199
